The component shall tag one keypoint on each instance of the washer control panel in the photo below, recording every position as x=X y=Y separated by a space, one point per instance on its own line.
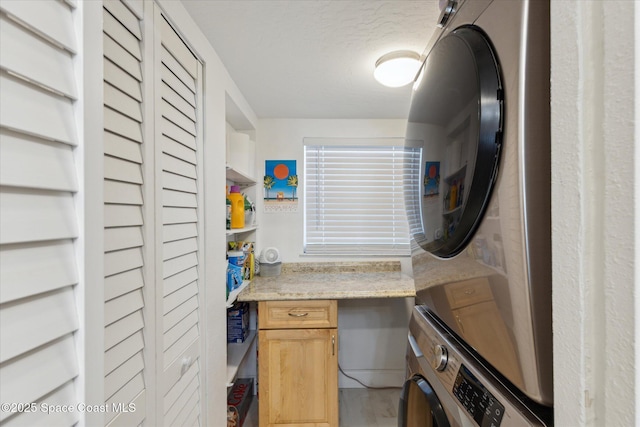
x=483 y=407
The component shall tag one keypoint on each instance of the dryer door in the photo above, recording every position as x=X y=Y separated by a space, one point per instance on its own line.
x=455 y=121
x=420 y=406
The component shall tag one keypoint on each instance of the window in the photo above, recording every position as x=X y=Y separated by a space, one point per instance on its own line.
x=354 y=196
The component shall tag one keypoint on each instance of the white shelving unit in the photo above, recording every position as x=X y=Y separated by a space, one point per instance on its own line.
x=239 y=171
x=236 y=353
x=240 y=178
x=242 y=230
x=233 y=295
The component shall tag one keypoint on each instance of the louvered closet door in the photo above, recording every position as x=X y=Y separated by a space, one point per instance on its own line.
x=178 y=158
x=124 y=363
x=38 y=223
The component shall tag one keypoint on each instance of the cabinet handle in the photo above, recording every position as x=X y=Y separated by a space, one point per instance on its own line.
x=298 y=314
x=460 y=323
x=333 y=345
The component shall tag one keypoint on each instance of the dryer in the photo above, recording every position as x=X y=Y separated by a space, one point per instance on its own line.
x=480 y=207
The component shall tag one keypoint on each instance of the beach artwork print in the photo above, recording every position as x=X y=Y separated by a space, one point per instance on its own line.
x=280 y=186
x=431 y=179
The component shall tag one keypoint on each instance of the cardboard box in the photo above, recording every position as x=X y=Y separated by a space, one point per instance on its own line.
x=238 y=322
x=240 y=397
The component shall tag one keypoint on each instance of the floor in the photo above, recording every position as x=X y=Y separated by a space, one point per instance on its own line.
x=359 y=407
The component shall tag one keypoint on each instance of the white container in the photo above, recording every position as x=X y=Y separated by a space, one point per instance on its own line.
x=270 y=270
x=241 y=152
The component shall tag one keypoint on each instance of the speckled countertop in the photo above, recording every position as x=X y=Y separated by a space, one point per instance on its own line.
x=429 y=271
x=332 y=280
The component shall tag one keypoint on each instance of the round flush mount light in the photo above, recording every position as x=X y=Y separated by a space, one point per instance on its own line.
x=396 y=69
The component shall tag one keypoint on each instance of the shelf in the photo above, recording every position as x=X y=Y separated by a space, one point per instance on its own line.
x=457 y=174
x=452 y=211
x=239 y=178
x=242 y=230
x=236 y=354
x=233 y=295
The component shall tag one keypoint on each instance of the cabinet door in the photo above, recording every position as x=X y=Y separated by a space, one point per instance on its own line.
x=480 y=325
x=298 y=381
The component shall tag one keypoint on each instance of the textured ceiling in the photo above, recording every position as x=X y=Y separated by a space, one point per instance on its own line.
x=312 y=58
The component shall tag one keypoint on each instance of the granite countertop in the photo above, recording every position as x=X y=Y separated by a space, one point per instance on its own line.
x=429 y=271
x=332 y=280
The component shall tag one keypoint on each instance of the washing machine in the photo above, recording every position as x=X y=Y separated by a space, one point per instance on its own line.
x=479 y=207
x=447 y=387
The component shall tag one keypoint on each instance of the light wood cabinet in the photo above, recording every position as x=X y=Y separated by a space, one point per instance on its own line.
x=481 y=325
x=298 y=363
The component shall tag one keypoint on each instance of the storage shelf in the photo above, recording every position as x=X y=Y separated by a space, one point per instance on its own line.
x=242 y=230
x=452 y=211
x=236 y=354
x=233 y=295
x=457 y=174
x=239 y=178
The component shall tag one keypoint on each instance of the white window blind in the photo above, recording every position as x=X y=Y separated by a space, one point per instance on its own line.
x=354 y=199
x=413 y=185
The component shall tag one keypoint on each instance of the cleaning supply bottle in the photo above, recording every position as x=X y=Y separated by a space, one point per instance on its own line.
x=454 y=196
x=228 y=208
x=237 y=207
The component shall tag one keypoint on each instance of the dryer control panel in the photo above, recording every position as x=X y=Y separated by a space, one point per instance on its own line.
x=483 y=407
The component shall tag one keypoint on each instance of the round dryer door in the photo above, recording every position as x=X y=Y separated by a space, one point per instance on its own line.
x=455 y=128
x=420 y=406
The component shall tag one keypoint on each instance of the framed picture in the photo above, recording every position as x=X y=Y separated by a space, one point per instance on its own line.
x=431 y=179
x=280 y=186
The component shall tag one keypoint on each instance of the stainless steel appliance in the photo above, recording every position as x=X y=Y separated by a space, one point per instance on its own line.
x=480 y=207
x=446 y=387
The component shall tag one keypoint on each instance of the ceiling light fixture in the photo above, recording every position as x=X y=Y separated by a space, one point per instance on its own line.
x=397 y=69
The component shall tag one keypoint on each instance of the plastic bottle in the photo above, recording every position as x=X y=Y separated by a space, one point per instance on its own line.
x=237 y=207
x=228 y=209
x=454 y=196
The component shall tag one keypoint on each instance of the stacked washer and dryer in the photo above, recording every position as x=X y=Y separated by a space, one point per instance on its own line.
x=480 y=339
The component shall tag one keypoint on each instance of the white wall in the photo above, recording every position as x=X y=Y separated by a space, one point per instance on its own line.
x=372 y=333
x=595 y=212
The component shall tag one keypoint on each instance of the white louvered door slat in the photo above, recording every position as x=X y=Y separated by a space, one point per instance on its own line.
x=180 y=253
x=122 y=170
x=41 y=65
x=125 y=16
x=31 y=162
x=124 y=225
x=118 y=55
x=20 y=103
x=39 y=265
x=121 y=102
x=122 y=351
x=120 y=284
x=118 y=331
x=122 y=148
x=34 y=268
x=28 y=331
x=49 y=19
x=118 y=32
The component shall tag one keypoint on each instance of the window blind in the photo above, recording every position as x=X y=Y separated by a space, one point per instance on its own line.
x=354 y=199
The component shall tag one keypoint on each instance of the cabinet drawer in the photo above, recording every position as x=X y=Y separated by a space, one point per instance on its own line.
x=468 y=292
x=297 y=314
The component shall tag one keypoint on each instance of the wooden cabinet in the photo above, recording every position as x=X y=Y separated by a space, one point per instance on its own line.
x=481 y=325
x=298 y=363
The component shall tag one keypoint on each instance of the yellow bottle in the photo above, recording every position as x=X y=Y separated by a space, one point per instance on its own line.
x=453 y=201
x=237 y=207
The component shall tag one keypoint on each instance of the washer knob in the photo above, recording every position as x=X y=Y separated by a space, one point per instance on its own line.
x=440 y=358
